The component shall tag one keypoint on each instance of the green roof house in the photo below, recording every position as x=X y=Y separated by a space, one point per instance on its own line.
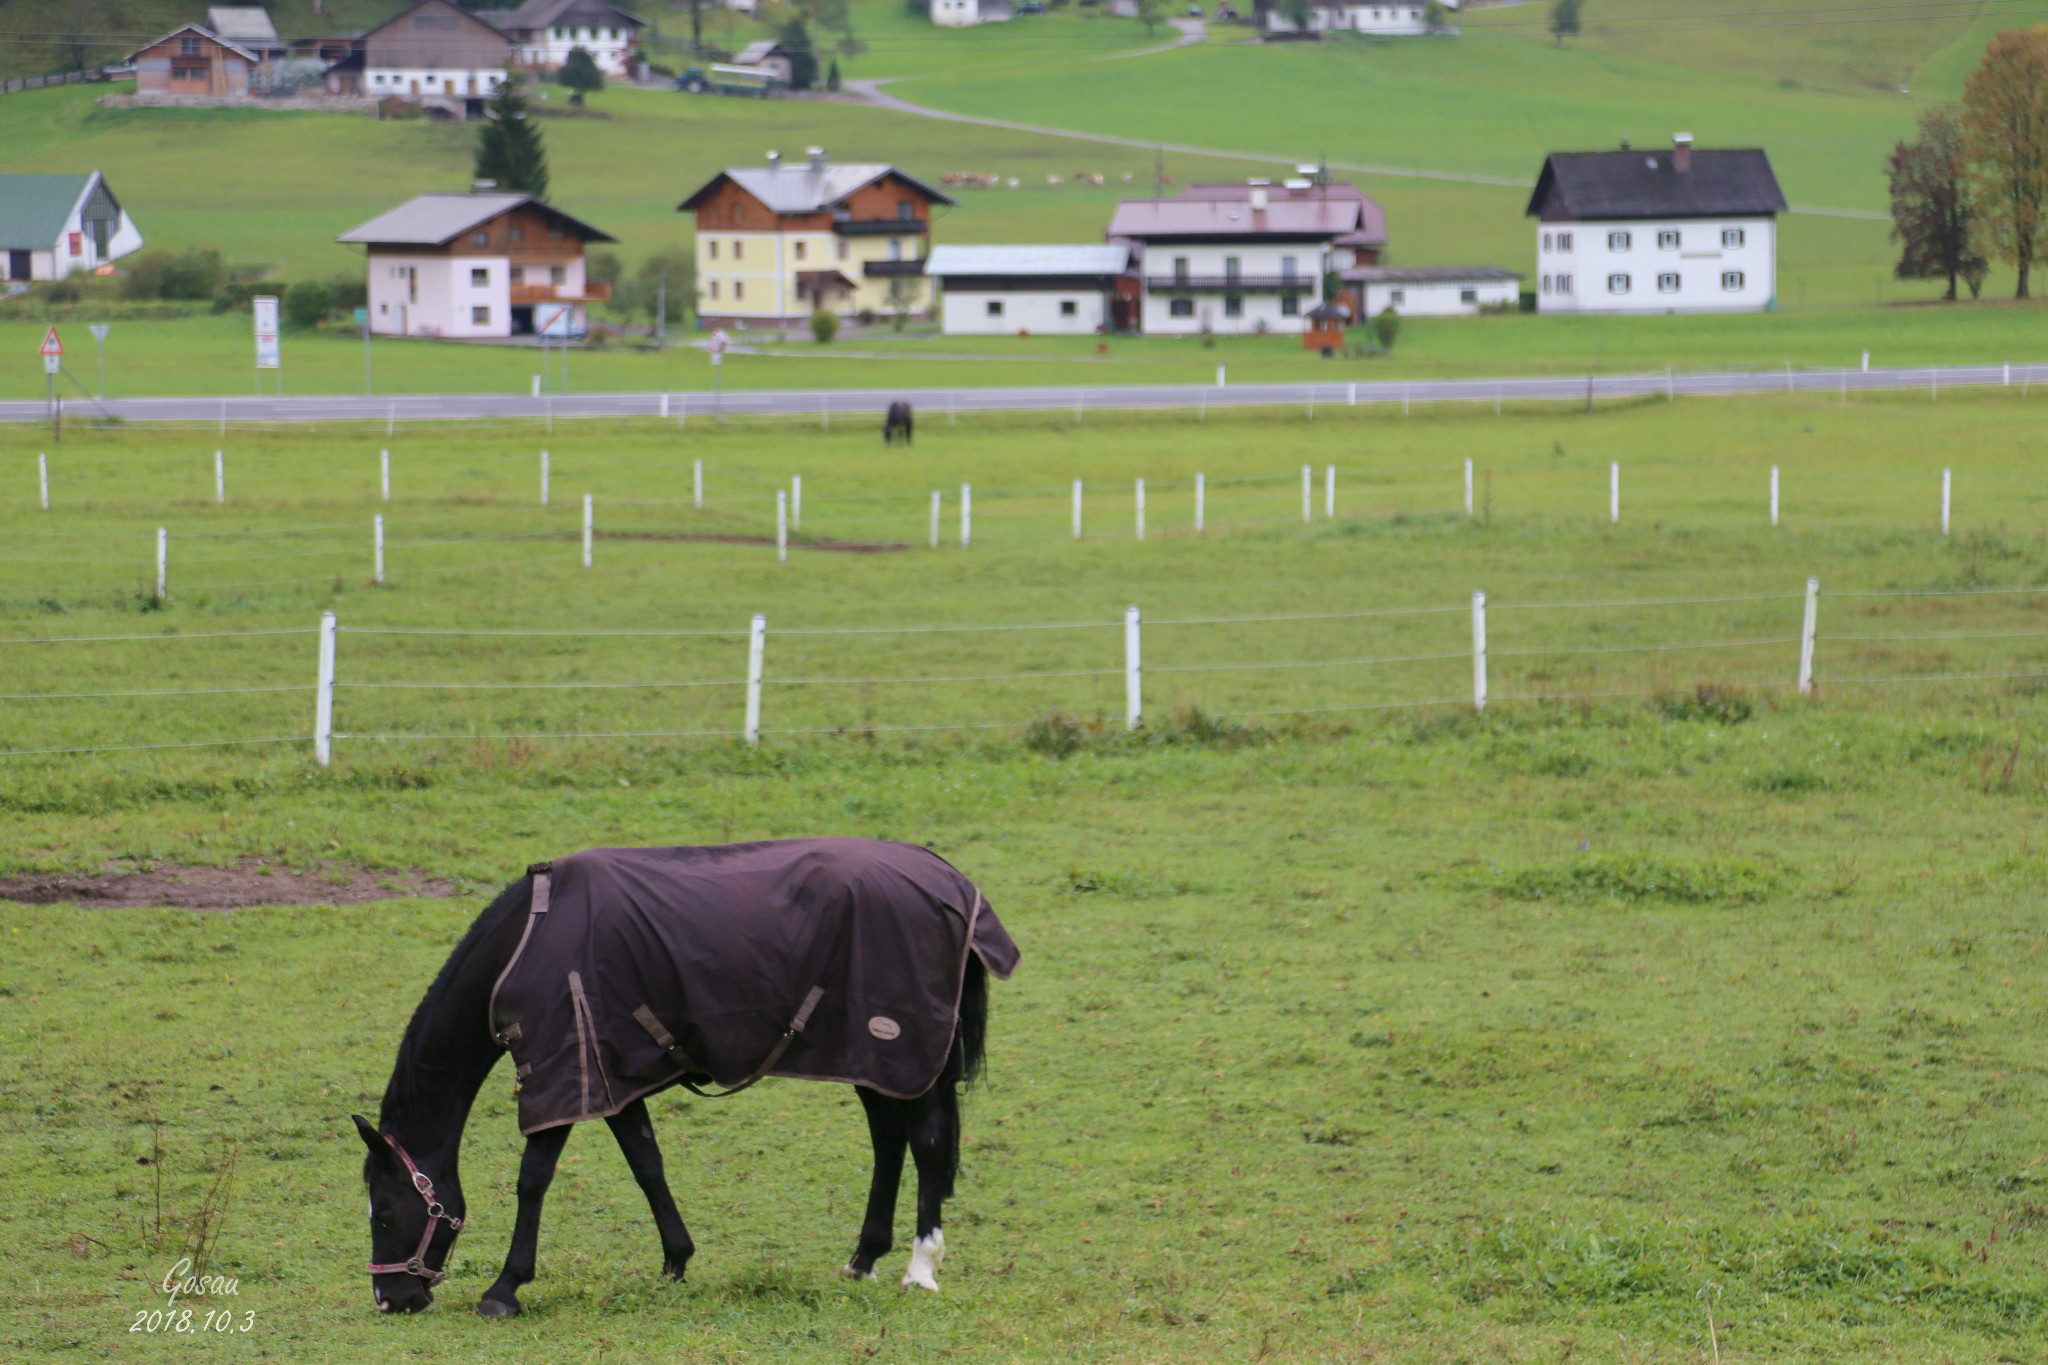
x=52 y=226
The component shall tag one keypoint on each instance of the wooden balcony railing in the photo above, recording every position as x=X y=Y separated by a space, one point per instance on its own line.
x=560 y=293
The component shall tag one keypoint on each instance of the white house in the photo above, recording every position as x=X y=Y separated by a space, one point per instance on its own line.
x=545 y=32
x=955 y=13
x=1244 y=258
x=54 y=225
x=1433 y=291
x=1383 y=18
x=477 y=265
x=434 y=54
x=1062 y=290
x=1656 y=232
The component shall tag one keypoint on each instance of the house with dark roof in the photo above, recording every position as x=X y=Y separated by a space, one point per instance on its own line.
x=1678 y=231
x=435 y=54
x=1245 y=257
x=52 y=226
x=777 y=243
x=545 y=32
x=477 y=265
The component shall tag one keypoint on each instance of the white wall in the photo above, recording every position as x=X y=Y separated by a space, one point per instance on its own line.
x=955 y=13
x=1259 y=263
x=1156 y=316
x=1437 y=299
x=1699 y=260
x=379 y=81
x=965 y=312
x=446 y=296
x=1401 y=20
x=60 y=261
x=610 y=47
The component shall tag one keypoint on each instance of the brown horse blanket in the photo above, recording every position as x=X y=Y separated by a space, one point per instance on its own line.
x=641 y=967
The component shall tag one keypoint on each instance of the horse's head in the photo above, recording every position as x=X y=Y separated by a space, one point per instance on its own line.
x=414 y=1218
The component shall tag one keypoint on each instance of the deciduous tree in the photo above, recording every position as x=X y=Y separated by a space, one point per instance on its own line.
x=2005 y=129
x=508 y=145
x=579 y=72
x=1151 y=13
x=1564 y=20
x=1933 y=209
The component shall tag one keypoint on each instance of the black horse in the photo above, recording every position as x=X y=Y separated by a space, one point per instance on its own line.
x=854 y=912
x=897 y=423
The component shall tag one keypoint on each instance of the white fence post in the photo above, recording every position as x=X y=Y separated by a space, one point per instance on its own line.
x=1774 y=495
x=1141 y=509
x=220 y=476
x=1468 y=485
x=43 y=478
x=586 y=530
x=697 y=484
x=1308 y=484
x=935 y=518
x=323 y=694
x=796 y=501
x=163 y=562
x=1614 y=493
x=1330 y=490
x=1077 y=509
x=966 y=515
x=543 y=478
x=1134 y=702
x=757 y=639
x=1478 y=651
x=781 y=526
x=377 y=542
x=1944 y=500
x=1201 y=488
x=384 y=474
x=1806 y=637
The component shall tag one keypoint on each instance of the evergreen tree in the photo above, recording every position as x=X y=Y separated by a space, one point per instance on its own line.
x=832 y=75
x=795 y=38
x=508 y=146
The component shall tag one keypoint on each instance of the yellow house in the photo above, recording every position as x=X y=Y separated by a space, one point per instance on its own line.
x=778 y=243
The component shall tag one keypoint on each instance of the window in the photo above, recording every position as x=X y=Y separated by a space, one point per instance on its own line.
x=188 y=46
x=1233 y=269
x=1180 y=270
x=1667 y=283
x=1069 y=309
x=711 y=249
x=1233 y=306
x=734 y=214
x=1468 y=296
x=739 y=289
x=1546 y=241
x=1617 y=241
x=378 y=78
x=1731 y=237
x=515 y=234
x=555 y=234
x=480 y=315
x=1395 y=296
x=1181 y=308
x=1731 y=280
x=739 y=248
x=558 y=274
x=995 y=308
x=1290 y=267
x=479 y=279
x=1290 y=305
x=906 y=212
x=1667 y=240
x=712 y=290
x=1617 y=284
x=188 y=71
x=895 y=248
x=844 y=249
x=1564 y=241
x=519 y=274
x=479 y=238
x=1546 y=284
x=1564 y=284
x=800 y=248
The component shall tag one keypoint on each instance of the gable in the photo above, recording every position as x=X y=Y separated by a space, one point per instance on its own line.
x=35 y=210
x=439 y=35
x=1648 y=184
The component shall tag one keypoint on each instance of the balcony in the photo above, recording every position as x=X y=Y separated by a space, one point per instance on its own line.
x=880 y=227
x=1297 y=284
x=559 y=293
x=882 y=270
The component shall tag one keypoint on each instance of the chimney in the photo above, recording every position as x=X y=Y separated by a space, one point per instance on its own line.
x=482 y=186
x=1258 y=199
x=775 y=161
x=1681 y=152
x=817 y=156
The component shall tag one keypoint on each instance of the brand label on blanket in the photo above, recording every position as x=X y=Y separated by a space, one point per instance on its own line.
x=883 y=1027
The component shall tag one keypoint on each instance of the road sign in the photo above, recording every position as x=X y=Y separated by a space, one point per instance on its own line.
x=265 y=308
x=52 y=346
x=53 y=364
x=362 y=316
x=718 y=343
x=100 y=330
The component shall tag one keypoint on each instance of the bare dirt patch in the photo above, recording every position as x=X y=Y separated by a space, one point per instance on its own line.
x=247 y=883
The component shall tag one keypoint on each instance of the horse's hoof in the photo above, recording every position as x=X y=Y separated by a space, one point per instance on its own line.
x=497 y=1308
x=850 y=1271
x=674 y=1270
x=914 y=1279
x=925 y=1255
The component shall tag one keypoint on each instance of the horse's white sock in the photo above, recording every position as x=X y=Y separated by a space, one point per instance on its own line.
x=925 y=1255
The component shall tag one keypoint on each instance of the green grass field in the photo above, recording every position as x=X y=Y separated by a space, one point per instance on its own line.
x=1342 y=1034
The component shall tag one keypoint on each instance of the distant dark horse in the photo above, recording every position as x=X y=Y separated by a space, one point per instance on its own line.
x=895 y=944
x=897 y=423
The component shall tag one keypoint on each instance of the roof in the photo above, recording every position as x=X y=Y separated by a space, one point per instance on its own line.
x=536 y=14
x=242 y=24
x=799 y=189
x=1142 y=218
x=1027 y=260
x=1648 y=184
x=207 y=34
x=753 y=54
x=1369 y=230
x=437 y=219
x=35 y=208
x=1433 y=274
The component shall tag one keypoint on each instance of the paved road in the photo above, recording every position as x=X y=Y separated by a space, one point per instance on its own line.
x=828 y=404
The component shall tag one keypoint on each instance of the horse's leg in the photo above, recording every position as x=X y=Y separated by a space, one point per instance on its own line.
x=886 y=1129
x=635 y=1133
x=536 y=1170
x=934 y=1119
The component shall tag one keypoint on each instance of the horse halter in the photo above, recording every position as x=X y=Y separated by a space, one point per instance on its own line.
x=436 y=1215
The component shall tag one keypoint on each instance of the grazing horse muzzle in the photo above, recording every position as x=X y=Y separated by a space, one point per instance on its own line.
x=415 y=1294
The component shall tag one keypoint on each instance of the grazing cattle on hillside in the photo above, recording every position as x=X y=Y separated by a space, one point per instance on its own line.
x=897 y=423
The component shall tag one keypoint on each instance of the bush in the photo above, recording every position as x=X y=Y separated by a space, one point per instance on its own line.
x=197 y=273
x=824 y=326
x=1386 y=327
x=350 y=293
x=866 y=316
x=602 y=267
x=234 y=296
x=307 y=304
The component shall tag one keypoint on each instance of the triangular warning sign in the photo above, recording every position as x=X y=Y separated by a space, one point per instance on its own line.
x=52 y=346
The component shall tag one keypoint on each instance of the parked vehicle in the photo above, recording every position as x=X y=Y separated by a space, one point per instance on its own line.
x=730 y=80
x=1031 y=7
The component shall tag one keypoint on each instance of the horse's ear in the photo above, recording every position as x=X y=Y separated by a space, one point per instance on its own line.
x=372 y=1139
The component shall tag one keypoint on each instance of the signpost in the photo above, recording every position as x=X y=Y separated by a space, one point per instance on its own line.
x=545 y=324
x=53 y=361
x=267 y=350
x=718 y=345
x=99 y=339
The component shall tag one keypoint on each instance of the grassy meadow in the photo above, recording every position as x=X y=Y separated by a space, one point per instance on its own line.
x=1342 y=1034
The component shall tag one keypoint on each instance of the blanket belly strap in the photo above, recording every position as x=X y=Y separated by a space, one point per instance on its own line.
x=796 y=1026
x=665 y=1040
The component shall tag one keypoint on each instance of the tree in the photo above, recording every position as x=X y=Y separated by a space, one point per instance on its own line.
x=508 y=146
x=832 y=75
x=1435 y=17
x=795 y=38
x=307 y=304
x=696 y=28
x=2005 y=130
x=1386 y=327
x=579 y=72
x=1300 y=13
x=1564 y=20
x=665 y=278
x=1933 y=209
x=1151 y=13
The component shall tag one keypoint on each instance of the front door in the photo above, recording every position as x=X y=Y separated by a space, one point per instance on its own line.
x=17 y=265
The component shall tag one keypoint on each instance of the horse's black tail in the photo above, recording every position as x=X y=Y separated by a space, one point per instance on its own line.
x=971 y=1037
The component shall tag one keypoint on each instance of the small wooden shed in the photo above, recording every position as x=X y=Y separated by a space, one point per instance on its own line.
x=1323 y=328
